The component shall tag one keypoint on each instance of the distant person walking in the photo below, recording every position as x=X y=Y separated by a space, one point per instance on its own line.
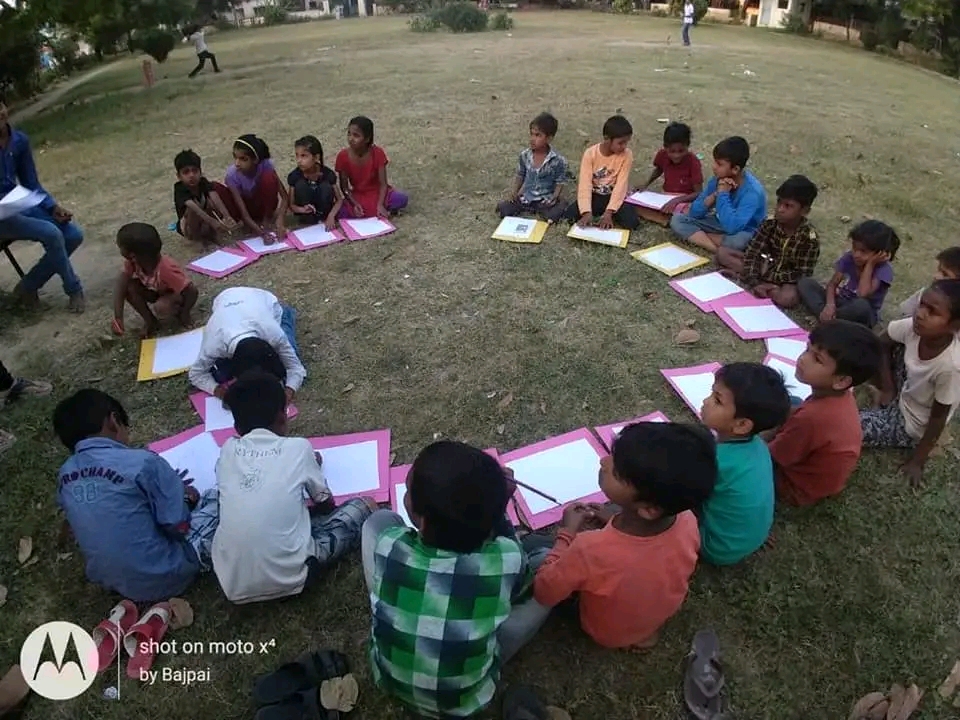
x=194 y=34
x=688 y=14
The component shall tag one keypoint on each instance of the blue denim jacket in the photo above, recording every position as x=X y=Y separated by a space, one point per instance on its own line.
x=17 y=168
x=540 y=183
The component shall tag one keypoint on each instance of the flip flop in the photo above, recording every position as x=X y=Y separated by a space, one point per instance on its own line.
x=304 y=705
x=291 y=679
x=703 y=680
x=108 y=635
x=151 y=629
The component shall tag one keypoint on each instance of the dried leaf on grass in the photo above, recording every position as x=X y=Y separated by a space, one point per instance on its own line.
x=555 y=713
x=501 y=429
x=505 y=402
x=949 y=685
x=897 y=696
x=687 y=336
x=181 y=614
x=24 y=549
x=872 y=706
x=348 y=388
x=3 y=595
x=340 y=693
x=909 y=704
x=32 y=561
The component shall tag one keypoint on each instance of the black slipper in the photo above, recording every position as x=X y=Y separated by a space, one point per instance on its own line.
x=291 y=679
x=302 y=706
x=520 y=702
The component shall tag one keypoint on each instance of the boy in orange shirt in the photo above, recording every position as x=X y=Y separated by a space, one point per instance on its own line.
x=633 y=574
x=604 y=180
x=818 y=447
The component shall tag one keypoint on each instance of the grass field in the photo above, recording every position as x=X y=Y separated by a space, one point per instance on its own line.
x=415 y=332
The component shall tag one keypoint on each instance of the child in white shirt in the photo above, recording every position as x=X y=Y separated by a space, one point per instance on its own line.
x=266 y=541
x=195 y=34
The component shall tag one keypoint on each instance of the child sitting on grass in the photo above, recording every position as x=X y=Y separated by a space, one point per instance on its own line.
x=129 y=511
x=861 y=278
x=747 y=399
x=315 y=195
x=265 y=535
x=681 y=171
x=254 y=194
x=362 y=167
x=919 y=378
x=818 y=448
x=633 y=575
x=541 y=175
x=201 y=215
x=785 y=248
x=728 y=211
x=604 y=180
x=448 y=598
x=150 y=278
x=948 y=268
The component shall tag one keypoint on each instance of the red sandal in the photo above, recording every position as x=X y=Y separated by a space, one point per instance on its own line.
x=108 y=635
x=139 y=640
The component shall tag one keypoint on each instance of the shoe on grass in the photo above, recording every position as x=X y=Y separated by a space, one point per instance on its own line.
x=23 y=387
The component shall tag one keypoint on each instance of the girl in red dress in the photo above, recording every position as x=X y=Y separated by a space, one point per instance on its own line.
x=362 y=167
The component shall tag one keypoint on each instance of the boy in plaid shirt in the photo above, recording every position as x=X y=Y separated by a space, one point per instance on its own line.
x=450 y=599
x=785 y=248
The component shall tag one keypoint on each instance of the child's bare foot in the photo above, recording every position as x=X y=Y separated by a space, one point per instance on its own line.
x=771 y=542
x=77 y=303
x=149 y=330
x=185 y=320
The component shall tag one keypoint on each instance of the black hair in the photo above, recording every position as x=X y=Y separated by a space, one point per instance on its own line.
x=255 y=355
x=950 y=259
x=671 y=466
x=190 y=29
x=257 y=400
x=951 y=290
x=545 y=123
x=798 y=188
x=735 y=150
x=83 y=414
x=461 y=493
x=876 y=236
x=855 y=348
x=617 y=127
x=186 y=159
x=677 y=132
x=252 y=145
x=364 y=125
x=759 y=394
x=311 y=144
x=140 y=240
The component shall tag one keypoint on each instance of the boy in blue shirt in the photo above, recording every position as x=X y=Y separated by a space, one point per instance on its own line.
x=129 y=511
x=747 y=399
x=730 y=208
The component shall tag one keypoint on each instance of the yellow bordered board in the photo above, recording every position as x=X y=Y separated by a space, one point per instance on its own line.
x=168 y=356
x=669 y=259
x=520 y=230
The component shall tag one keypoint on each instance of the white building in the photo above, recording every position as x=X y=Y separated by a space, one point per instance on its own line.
x=249 y=12
x=773 y=13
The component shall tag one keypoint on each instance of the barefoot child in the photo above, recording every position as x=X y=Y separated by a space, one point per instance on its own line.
x=919 y=378
x=633 y=575
x=315 y=195
x=255 y=196
x=948 y=268
x=541 y=175
x=150 y=278
x=362 y=167
x=201 y=214
x=681 y=171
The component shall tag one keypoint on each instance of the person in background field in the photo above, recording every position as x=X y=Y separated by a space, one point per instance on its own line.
x=728 y=211
x=195 y=34
x=633 y=575
x=948 y=268
x=681 y=171
x=12 y=389
x=48 y=223
x=254 y=194
x=362 y=167
x=818 y=447
x=249 y=329
x=861 y=278
x=541 y=175
x=201 y=214
x=315 y=195
x=689 y=14
x=784 y=250
x=604 y=180
x=150 y=278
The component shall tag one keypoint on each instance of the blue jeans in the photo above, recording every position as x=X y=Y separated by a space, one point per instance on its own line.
x=222 y=371
x=59 y=240
x=685 y=33
x=685 y=226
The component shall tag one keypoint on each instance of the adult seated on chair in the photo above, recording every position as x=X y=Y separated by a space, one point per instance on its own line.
x=48 y=223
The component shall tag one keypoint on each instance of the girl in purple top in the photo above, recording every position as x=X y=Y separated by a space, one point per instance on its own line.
x=860 y=280
x=254 y=194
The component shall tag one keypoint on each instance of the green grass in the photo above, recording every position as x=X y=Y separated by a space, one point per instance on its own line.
x=857 y=594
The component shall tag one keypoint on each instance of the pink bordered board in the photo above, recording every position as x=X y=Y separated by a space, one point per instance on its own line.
x=217 y=419
x=790 y=348
x=366 y=228
x=221 y=262
x=566 y=467
x=357 y=464
x=705 y=291
x=195 y=451
x=313 y=237
x=788 y=370
x=257 y=247
x=608 y=433
x=757 y=320
x=692 y=384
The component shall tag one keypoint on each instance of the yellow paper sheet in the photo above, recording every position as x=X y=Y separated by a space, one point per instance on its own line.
x=669 y=259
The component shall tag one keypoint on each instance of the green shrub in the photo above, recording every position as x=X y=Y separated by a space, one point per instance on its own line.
x=924 y=37
x=870 y=39
x=424 y=23
x=156 y=43
x=275 y=14
x=795 y=24
x=65 y=53
x=462 y=17
x=624 y=7
x=501 y=21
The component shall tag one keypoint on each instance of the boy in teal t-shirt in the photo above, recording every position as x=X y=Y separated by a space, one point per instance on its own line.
x=747 y=399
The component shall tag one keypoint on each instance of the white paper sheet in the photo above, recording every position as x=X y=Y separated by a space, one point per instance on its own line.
x=258 y=246
x=786 y=347
x=401 y=492
x=353 y=468
x=567 y=472
x=198 y=456
x=761 y=318
x=18 y=200
x=217 y=416
x=651 y=199
x=695 y=388
x=516 y=227
x=316 y=236
x=607 y=237
x=709 y=287
x=789 y=372
x=176 y=352
x=368 y=227
x=617 y=429
x=670 y=258
x=219 y=261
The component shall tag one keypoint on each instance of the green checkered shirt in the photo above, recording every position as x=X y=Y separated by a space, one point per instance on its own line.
x=435 y=619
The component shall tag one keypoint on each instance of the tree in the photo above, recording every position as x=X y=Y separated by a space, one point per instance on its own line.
x=944 y=16
x=20 y=40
